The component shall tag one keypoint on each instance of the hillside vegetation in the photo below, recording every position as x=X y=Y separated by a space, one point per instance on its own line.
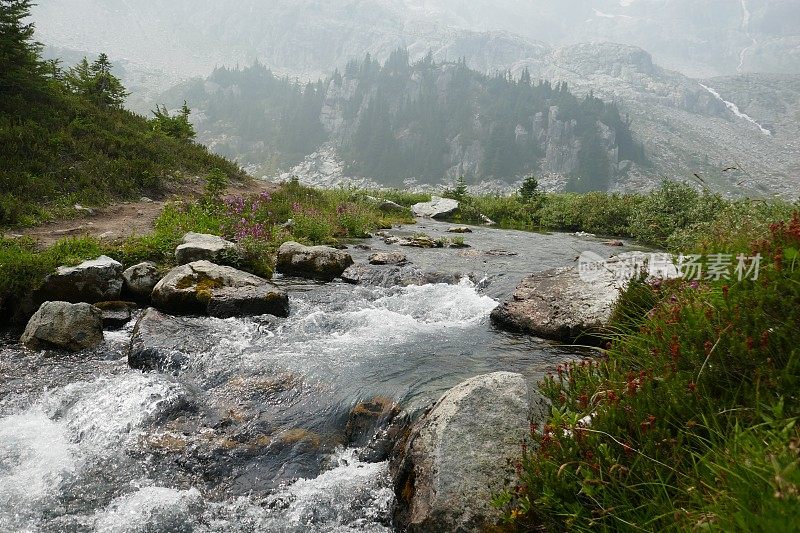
x=66 y=139
x=688 y=419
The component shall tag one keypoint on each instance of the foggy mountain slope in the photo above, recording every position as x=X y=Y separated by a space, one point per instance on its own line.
x=310 y=37
x=683 y=127
x=423 y=120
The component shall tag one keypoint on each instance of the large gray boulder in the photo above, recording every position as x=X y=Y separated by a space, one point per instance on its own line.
x=64 y=326
x=396 y=276
x=557 y=304
x=462 y=452
x=203 y=247
x=166 y=343
x=248 y=301
x=315 y=262
x=140 y=280
x=438 y=208
x=98 y=280
x=573 y=303
x=202 y=287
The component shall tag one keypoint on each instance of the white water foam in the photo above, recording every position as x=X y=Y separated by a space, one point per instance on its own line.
x=36 y=456
x=735 y=110
x=50 y=442
x=352 y=496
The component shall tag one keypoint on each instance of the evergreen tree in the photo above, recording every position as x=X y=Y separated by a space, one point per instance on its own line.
x=22 y=73
x=96 y=82
x=177 y=126
x=79 y=78
x=108 y=91
x=530 y=188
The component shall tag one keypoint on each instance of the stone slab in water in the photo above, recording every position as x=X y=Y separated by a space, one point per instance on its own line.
x=438 y=208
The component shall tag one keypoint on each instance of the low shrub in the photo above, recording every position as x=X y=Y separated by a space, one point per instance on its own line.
x=688 y=421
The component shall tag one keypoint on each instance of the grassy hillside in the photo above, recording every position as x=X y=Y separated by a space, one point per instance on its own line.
x=692 y=409
x=60 y=149
x=65 y=139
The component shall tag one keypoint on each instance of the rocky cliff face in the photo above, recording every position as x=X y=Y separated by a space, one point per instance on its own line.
x=685 y=128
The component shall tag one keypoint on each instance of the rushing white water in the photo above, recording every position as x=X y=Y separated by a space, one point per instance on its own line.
x=352 y=496
x=735 y=110
x=746 y=28
x=251 y=435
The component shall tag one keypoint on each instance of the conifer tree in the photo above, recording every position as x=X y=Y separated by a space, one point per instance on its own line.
x=107 y=89
x=21 y=69
x=96 y=82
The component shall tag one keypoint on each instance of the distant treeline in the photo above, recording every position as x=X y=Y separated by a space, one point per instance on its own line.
x=424 y=119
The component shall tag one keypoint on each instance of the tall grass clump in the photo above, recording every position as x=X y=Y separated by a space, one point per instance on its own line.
x=688 y=421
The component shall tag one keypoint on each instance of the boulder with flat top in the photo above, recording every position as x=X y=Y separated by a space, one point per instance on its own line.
x=203 y=288
x=314 y=262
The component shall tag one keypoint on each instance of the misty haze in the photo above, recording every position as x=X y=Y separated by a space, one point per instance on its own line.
x=399 y=265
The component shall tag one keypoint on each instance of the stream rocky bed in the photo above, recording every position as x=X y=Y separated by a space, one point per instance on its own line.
x=275 y=424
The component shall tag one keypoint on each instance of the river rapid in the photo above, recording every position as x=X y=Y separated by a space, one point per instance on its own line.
x=254 y=434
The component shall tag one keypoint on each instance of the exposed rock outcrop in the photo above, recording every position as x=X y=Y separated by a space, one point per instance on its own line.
x=315 y=262
x=191 y=289
x=438 y=208
x=388 y=258
x=461 y=453
x=64 y=326
x=203 y=247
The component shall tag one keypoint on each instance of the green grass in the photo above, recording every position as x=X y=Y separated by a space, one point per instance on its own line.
x=59 y=149
x=694 y=408
x=255 y=223
x=674 y=216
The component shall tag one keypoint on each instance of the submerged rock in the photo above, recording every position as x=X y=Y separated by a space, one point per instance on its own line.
x=203 y=247
x=438 y=208
x=315 y=262
x=191 y=289
x=462 y=452
x=64 y=326
x=167 y=343
x=139 y=281
x=90 y=282
x=366 y=417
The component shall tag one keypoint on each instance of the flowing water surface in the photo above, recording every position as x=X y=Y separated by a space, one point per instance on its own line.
x=253 y=435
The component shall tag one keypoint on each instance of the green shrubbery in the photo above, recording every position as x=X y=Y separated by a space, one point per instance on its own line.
x=693 y=407
x=259 y=224
x=674 y=216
